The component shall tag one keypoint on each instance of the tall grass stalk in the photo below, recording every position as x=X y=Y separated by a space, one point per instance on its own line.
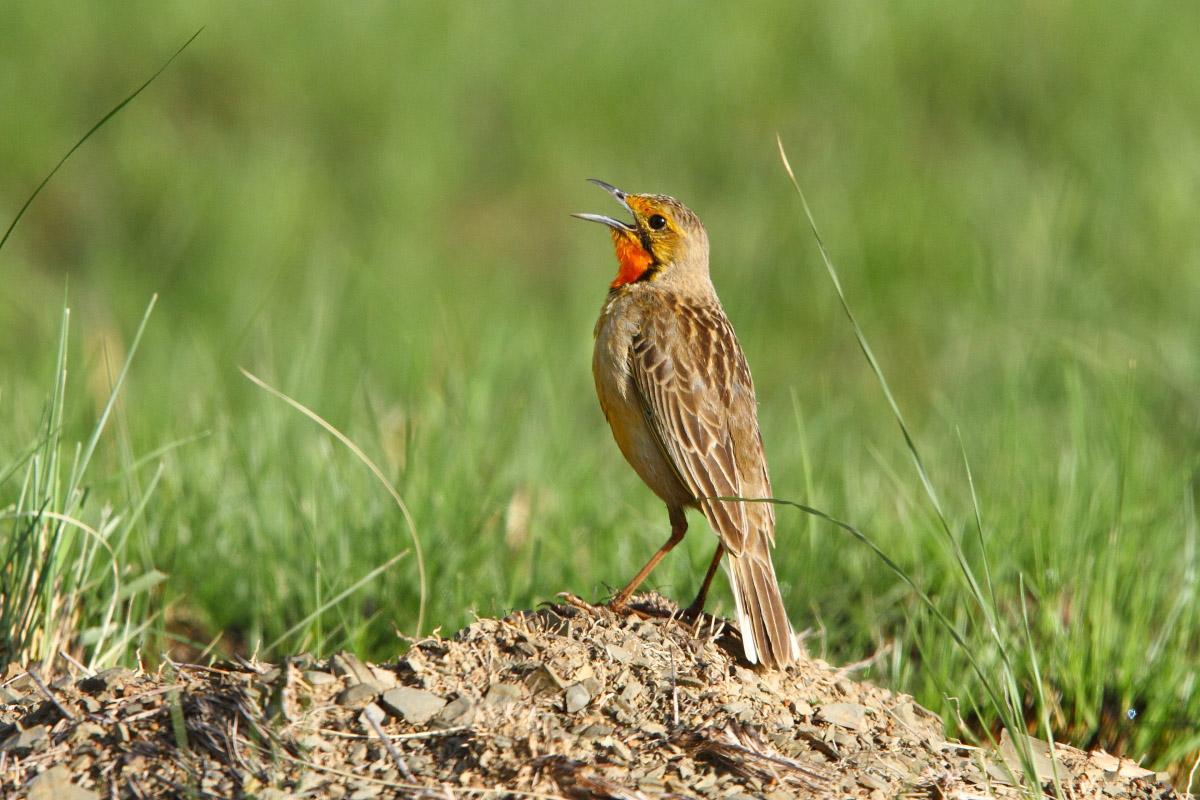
x=1004 y=691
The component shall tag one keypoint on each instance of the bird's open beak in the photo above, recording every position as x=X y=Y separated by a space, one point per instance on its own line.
x=615 y=224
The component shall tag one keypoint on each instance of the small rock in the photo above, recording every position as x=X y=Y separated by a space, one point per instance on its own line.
x=459 y=711
x=55 y=784
x=358 y=695
x=543 y=679
x=577 y=698
x=1000 y=774
x=416 y=706
x=740 y=710
x=851 y=716
x=595 y=731
x=618 y=653
x=352 y=667
x=318 y=678
x=27 y=741
x=503 y=694
x=384 y=678
x=1045 y=763
x=371 y=715
x=106 y=681
x=86 y=730
x=649 y=631
x=271 y=675
x=907 y=714
x=870 y=781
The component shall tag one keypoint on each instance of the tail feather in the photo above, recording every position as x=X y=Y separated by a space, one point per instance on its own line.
x=766 y=632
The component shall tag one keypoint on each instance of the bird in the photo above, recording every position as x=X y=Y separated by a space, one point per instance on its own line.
x=676 y=390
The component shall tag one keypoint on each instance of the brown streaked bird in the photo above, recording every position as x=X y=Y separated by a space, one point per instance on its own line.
x=675 y=388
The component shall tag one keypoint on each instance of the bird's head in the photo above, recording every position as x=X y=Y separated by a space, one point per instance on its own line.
x=664 y=237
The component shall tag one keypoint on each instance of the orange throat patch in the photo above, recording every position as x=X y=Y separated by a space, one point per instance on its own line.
x=633 y=259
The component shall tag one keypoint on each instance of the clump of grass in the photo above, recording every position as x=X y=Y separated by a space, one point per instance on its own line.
x=65 y=587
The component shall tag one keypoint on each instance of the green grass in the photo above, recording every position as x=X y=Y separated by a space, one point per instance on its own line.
x=368 y=210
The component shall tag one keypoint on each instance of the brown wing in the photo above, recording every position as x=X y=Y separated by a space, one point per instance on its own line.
x=696 y=392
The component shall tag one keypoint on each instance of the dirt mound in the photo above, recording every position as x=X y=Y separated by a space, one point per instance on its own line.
x=567 y=701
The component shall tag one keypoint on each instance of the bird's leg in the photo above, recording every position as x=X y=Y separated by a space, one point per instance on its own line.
x=678 y=529
x=697 y=606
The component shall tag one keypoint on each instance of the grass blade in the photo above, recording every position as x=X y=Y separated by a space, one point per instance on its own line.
x=100 y=124
x=339 y=597
x=375 y=470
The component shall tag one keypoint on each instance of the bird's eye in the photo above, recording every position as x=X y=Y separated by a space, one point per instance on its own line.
x=657 y=222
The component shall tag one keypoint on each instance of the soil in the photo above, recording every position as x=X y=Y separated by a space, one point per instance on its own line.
x=569 y=701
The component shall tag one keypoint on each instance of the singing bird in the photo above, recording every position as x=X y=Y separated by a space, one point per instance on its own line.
x=676 y=391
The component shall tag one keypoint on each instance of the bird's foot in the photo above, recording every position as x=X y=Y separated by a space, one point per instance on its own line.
x=618 y=605
x=578 y=602
x=693 y=612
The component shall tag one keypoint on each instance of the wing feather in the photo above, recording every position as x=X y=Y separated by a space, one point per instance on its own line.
x=695 y=391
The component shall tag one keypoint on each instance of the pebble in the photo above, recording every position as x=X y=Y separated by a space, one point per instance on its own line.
x=55 y=784
x=596 y=731
x=352 y=668
x=271 y=675
x=740 y=710
x=544 y=679
x=907 y=714
x=503 y=694
x=577 y=698
x=851 y=716
x=318 y=678
x=106 y=681
x=415 y=706
x=358 y=695
x=459 y=711
x=869 y=780
x=618 y=654
x=27 y=741
x=384 y=678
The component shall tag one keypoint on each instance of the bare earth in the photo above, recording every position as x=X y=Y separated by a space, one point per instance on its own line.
x=566 y=701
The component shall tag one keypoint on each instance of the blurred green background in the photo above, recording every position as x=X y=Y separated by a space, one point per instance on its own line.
x=367 y=205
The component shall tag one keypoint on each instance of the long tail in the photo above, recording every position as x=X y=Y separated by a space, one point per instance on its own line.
x=766 y=632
